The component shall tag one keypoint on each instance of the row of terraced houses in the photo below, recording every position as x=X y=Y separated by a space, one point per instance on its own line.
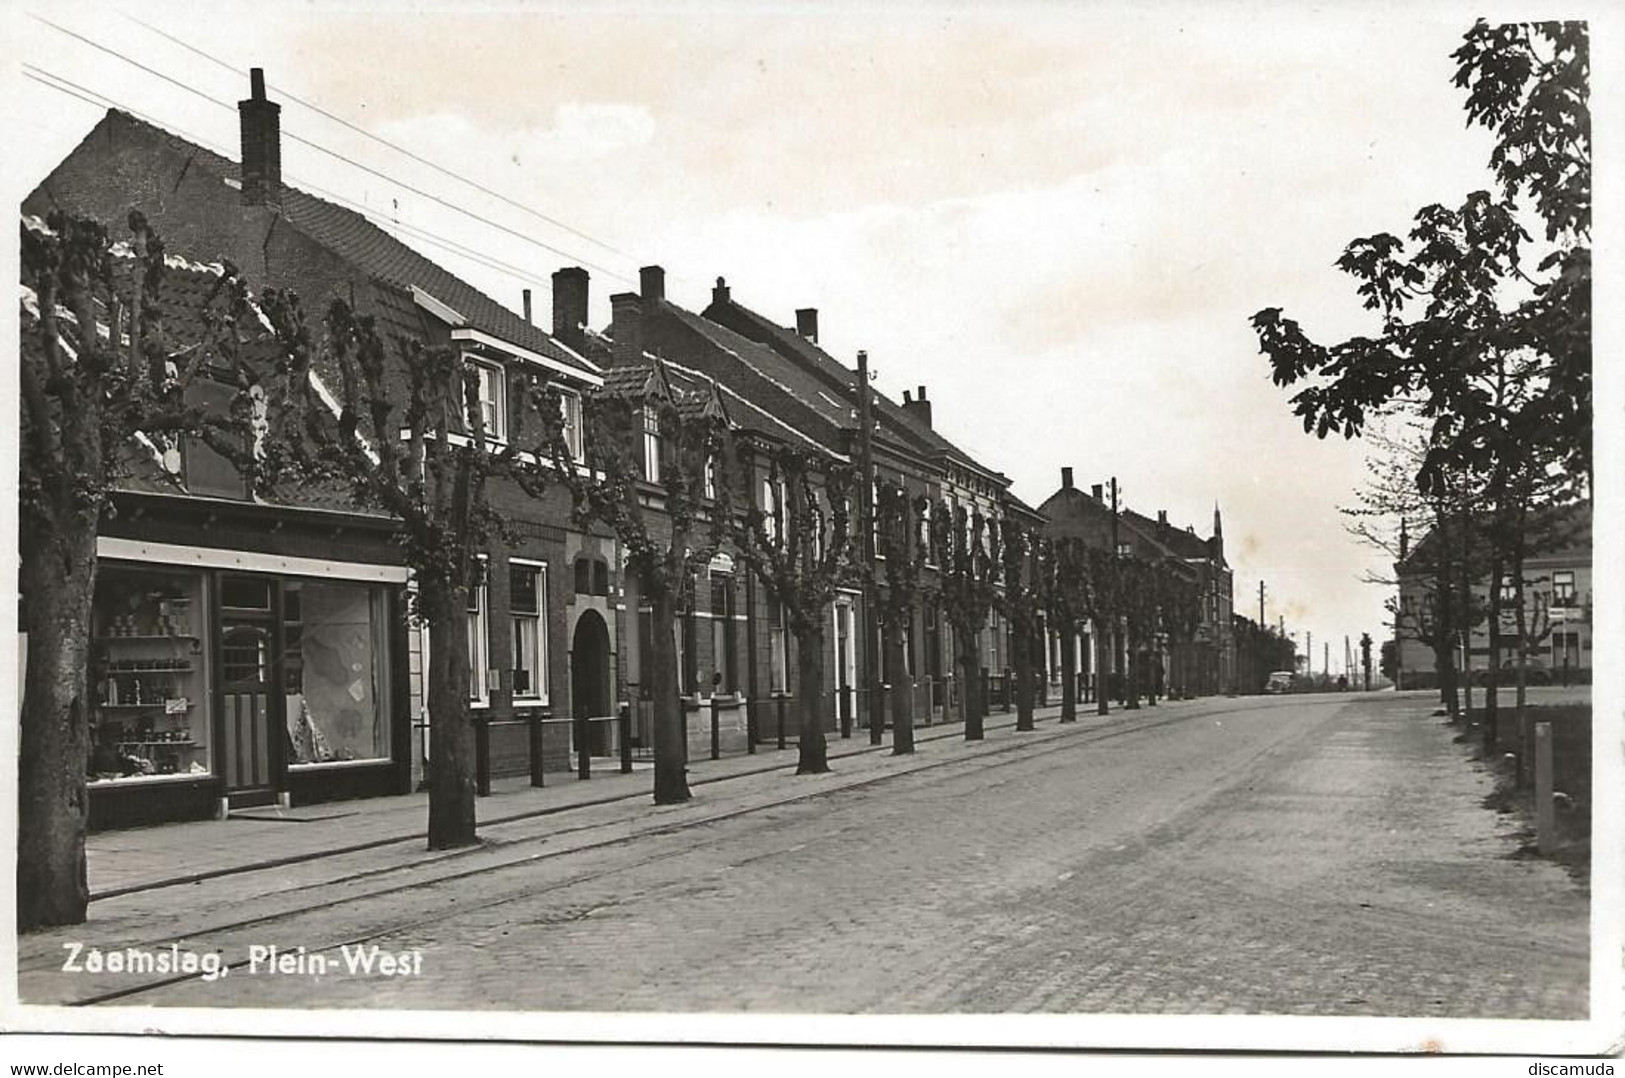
x=250 y=652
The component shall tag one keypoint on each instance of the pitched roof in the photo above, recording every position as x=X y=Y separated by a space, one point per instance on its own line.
x=803 y=362
x=351 y=236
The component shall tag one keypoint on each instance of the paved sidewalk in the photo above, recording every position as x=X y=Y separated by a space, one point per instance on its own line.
x=140 y=859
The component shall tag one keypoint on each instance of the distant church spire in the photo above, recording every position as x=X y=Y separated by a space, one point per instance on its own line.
x=1218 y=523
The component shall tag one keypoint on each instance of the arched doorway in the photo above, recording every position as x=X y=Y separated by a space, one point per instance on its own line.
x=590 y=693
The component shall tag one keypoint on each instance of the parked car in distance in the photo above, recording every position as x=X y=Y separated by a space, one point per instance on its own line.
x=1279 y=681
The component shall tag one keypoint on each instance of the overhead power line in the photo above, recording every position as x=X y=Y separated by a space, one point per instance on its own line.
x=448 y=204
x=99 y=100
x=499 y=196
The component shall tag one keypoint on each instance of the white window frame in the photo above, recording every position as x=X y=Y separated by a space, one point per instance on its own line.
x=541 y=693
x=493 y=406
x=479 y=638
x=778 y=656
x=651 y=443
x=1564 y=580
x=570 y=416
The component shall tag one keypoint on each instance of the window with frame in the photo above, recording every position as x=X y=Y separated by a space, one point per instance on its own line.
x=492 y=388
x=724 y=632
x=651 y=443
x=772 y=507
x=527 y=589
x=570 y=418
x=777 y=664
x=1563 y=588
x=478 y=690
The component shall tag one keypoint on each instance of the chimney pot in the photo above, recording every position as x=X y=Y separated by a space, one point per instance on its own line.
x=906 y=398
x=807 y=323
x=1066 y=478
x=1162 y=517
x=652 y=282
x=256 y=83
x=1098 y=492
x=627 y=327
x=569 y=303
x=922 y=393
x=526 y=295
x=719 y=294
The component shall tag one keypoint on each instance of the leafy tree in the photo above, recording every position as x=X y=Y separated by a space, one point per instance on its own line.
x=87 y=400
x=405 y=432
x=898 y=523
x=803 y=549
x=670 y=511
x=1179 y=606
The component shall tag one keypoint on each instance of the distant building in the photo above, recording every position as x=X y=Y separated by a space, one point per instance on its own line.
x=1557 y=610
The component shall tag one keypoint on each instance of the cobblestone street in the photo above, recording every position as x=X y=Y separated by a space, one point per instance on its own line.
x=1324 y=856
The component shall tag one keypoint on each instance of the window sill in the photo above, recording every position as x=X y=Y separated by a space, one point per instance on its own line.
x=330 y=765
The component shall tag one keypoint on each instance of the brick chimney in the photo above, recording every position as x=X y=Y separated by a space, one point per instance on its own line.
x=652 y=282
x=526 y=301
x=720 y=294
x=1162 y=517
x=807 y=323
x=569 y=303
x=1098 y=492
x=919 y=409
x=626 y=326
x=260 y=122
x=1066 y=477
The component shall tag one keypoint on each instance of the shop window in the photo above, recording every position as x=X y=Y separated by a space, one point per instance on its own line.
x=149 y=676
x=334 y=648
x=527 y=588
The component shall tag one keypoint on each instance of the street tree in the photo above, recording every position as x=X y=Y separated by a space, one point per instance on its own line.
x=656 y=469
x=899 y=523
x=100 y=379
x=1021 y=570
x=966 y=583
x=801 y=546
x=405 y=432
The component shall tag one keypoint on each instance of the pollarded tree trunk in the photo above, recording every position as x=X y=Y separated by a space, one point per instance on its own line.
x=1103 y=668
x=1131 y=676
x=971 y=666
x=671 y=752
x=54 y=749
x=1021 y=638
x=1069 y=675
x=813 y=750
x=451 y=744
x=902 y=696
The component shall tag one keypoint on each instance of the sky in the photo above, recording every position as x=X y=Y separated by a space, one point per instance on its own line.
x=1058 y=220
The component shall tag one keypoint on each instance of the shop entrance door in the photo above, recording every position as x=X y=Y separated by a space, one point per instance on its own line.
x=250 y=711
x=590 y=683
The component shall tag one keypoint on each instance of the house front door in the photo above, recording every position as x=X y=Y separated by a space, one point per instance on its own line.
x=250 y=706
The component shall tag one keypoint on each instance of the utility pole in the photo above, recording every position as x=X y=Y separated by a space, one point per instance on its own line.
x=1261 y=604
x=866 y=522
x=1309 y=653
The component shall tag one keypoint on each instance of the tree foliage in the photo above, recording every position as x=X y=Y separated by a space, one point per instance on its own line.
x=103 y=385
x=803 y=549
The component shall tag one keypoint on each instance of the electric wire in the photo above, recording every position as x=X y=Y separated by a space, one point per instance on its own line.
x=99 y=100
x=341 y=157
x=289 y=95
